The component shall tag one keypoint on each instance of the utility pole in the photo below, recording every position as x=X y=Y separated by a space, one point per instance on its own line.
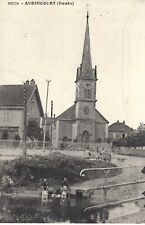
x=45 y=117
x=24 y=121
x=51 y=124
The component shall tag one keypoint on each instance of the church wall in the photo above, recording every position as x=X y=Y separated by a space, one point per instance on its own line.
x=74 y=131
x=86 y=126
x=107 y=134
x=80 y=110
x=101 y=131
x=65 y=129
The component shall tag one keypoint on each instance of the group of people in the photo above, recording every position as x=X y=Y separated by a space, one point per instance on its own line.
x=61 y=193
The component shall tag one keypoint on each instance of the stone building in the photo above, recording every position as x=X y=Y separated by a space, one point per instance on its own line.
x=82 y=123
x=119 y=130
x=12 y=108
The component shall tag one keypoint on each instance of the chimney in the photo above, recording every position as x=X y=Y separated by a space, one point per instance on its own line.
x=32 y=82
x=117 y=121
x=124 y=121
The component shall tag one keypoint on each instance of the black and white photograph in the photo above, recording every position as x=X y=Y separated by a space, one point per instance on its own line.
x=72 y=113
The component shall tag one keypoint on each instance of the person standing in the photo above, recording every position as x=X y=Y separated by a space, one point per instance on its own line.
x=65 y=183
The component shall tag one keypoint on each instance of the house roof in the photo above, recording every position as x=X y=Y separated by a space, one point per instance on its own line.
x=13 y=95
x=119 y=127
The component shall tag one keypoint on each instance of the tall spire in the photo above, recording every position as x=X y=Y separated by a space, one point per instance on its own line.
x=86 y=67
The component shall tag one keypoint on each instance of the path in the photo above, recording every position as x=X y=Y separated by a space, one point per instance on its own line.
x=127 y=175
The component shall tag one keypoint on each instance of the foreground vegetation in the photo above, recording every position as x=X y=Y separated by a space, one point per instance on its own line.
x=28 y=171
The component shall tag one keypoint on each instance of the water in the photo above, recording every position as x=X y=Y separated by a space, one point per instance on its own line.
x=16 y=209
x=29 y=210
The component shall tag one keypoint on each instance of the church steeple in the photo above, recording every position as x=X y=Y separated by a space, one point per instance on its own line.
x=85 y=70
x=86 y=66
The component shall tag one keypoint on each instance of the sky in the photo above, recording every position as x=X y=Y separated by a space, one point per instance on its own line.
x=46 y=43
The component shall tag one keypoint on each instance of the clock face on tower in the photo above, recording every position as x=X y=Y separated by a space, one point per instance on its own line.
x=86 y=110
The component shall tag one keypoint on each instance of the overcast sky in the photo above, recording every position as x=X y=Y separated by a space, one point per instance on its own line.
x=46 y=42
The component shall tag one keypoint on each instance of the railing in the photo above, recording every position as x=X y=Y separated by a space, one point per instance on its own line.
x=10 y=144
x=105 y=188
x=116 y=185
x=83 y=146
x=94 y=147
x=110 y=204
x=106 y=168
x=19 y=144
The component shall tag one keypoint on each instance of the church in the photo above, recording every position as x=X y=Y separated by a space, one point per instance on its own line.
x=81 y=124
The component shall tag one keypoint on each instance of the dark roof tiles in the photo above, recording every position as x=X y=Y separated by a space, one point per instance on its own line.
x=119 y=127
x=13 y=95
x=69 y=114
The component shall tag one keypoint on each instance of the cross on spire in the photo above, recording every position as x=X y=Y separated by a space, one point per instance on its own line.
x=87 y=13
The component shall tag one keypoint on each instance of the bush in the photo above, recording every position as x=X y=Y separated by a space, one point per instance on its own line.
x=55 y=167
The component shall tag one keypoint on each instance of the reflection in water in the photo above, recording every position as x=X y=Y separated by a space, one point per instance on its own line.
x=26 y=210
x=29 y=210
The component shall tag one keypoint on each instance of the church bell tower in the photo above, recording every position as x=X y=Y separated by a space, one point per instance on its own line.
x=85 y=98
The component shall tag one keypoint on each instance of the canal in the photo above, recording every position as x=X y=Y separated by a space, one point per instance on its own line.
x=29 y=210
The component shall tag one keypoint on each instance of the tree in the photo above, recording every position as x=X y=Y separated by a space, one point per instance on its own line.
x=136 y=139
x=33 y=129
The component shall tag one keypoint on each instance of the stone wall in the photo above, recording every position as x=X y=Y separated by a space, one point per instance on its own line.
x=131 y=151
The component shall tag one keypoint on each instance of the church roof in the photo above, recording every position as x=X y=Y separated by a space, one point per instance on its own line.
x=69 y=114
x=100 y=117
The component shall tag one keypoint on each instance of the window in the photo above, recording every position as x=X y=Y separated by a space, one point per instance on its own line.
x=5 y=135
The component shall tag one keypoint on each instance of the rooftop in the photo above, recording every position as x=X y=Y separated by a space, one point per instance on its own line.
x=13 y=95
x=119 y=127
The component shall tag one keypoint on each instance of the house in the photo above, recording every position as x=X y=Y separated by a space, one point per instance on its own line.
x=12 y=108
x=119 y=131
x=82 y=124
